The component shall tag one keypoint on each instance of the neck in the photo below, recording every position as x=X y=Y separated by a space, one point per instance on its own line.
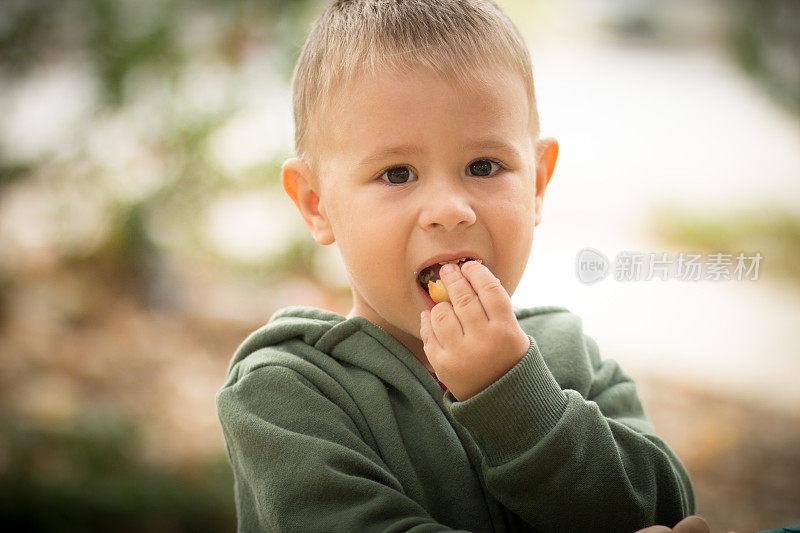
x=412 y=343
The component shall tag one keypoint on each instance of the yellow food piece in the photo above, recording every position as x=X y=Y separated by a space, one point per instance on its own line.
x=437 y=291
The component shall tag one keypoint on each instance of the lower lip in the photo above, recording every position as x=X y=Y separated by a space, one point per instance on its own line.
x=429 y=303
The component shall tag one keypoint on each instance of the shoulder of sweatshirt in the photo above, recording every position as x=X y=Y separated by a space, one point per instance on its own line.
x=293 y=335
x=569 y=353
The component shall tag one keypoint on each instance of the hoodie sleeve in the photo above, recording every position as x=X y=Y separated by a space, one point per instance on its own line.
x=301 y=464
x=574 y=461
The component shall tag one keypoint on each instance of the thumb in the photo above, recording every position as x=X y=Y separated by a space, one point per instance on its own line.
x=691 y=524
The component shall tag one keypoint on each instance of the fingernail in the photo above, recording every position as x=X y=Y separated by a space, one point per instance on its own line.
x=448 y=269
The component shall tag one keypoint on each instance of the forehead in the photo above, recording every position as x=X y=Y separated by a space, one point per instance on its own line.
x=419 y=107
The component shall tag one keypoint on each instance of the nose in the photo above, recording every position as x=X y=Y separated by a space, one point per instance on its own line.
x=447 y=207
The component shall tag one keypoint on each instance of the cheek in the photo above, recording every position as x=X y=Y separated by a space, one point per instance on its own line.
x=512 y=235
x=371 y=247
x=515 y=207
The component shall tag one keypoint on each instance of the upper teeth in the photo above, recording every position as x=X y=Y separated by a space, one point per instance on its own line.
x=432 y=272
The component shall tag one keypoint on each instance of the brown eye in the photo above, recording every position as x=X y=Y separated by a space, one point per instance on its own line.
x=398 y=175
x=482 y=168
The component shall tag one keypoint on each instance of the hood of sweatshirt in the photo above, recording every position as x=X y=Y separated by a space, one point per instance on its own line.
x=357 y=341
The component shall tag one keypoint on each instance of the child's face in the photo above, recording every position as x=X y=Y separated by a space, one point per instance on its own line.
x=415 y=171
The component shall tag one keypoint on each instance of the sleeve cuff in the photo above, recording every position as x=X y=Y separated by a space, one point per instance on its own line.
x=512 y=414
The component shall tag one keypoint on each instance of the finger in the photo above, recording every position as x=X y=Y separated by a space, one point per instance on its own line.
x=691 y=524
x=654 y=529
x=445 y=324
x=429 y=341
x=494 y=299
x=465 y=302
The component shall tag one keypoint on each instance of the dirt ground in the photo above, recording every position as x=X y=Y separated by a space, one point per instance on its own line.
x=744 y=462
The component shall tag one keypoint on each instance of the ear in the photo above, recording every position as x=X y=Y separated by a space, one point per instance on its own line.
x=298 y=182
x=546 y=155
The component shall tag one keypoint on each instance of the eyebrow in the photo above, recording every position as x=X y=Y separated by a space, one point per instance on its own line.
x=410 y=149
x=389 y=151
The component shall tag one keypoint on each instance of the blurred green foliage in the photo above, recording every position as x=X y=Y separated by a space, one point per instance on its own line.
x=765 y=41
x=89 y=476
x=772 y=231
x=142 y=55
x=120 y=35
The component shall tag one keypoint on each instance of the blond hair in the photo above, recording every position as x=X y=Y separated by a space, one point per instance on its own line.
x=451 y=38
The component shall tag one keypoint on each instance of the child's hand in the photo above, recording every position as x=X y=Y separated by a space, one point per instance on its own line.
x=475 y=338
x=690 y=524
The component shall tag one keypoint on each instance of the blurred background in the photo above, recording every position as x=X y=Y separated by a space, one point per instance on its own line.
x=144 y=234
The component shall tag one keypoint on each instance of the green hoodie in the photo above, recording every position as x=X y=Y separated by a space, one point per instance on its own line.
x=331 y=424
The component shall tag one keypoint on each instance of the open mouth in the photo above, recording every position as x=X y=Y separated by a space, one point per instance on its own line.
x=431 y=273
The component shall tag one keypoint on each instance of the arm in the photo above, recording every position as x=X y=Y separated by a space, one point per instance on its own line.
x=559 y=459
x=589 y=464
x=300 y=463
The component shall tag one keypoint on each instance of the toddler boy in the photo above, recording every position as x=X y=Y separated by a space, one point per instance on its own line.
x=418 y=152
